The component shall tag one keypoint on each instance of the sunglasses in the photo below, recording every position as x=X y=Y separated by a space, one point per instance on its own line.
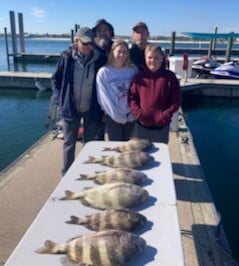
x=86 y=43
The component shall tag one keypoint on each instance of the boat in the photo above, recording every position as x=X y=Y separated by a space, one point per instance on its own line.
x=229 y=70
x=204 y=65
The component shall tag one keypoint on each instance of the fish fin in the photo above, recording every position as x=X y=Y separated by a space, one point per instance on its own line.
x=48 y=248
x=107 y=149
x=91 y=159
x=67 y=261
x=117 y=149
x=99 y=172
x=82 y=177
x=88 y=204
x=68 y=195
x=73 y=220
x=85 y=202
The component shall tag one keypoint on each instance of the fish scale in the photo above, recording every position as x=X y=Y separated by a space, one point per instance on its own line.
x=126 y=175
x=106 y=248
x=123 y=219
x=130 y=159
x=119 y=195
x=134 y=144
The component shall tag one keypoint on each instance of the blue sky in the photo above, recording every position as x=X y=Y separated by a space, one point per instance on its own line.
x=162 y=17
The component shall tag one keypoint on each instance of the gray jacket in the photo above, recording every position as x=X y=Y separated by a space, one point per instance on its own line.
x=73 y=74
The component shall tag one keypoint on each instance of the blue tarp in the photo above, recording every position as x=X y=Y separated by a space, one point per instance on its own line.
x=201 y=35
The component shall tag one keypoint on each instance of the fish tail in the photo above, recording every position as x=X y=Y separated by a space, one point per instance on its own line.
x=92 y=159
x=68 y=195
x=73 y=220
x=83 y=177
x=107 y=149
x=50 y=247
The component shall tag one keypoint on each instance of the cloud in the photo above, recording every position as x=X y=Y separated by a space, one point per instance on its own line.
x=38 y=12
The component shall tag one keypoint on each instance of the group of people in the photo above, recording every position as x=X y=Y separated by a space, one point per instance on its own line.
x=111 y=87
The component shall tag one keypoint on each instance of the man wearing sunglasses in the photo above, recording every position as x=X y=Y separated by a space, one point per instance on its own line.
x=73 y=83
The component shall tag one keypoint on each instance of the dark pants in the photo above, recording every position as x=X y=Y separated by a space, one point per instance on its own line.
x=70 y=131
x=96 y=131
x=155 y=135
x=117 y=131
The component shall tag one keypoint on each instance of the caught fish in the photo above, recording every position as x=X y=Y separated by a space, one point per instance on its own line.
x=132 y=159
x=105 y=248
x=134 y=144
x=121 y=219
x=125 y=175
x=113 y=195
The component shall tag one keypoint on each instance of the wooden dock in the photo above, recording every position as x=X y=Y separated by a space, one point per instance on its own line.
x=30 y=181
x=207 y=87
x=26 y=80
x=199 y=221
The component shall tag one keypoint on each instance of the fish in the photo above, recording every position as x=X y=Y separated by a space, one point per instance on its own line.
x=121 y=219
x=125 y=175
x=134 y=144
x=105 y=248
x=112 y=195
x=131 y=159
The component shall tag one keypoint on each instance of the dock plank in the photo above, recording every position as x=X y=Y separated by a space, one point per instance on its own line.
x=197 y=214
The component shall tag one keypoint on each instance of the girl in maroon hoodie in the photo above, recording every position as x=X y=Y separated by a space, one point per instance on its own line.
x=154 y=96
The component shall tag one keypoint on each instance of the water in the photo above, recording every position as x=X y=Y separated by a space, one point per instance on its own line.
x=33 y=45
x=48 y=46
x=23 y=115
x=214 y=123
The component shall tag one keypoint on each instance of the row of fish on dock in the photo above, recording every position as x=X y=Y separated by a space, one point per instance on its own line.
x=120 y=190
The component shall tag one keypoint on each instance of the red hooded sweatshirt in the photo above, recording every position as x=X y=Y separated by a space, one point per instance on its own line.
x=154 y=97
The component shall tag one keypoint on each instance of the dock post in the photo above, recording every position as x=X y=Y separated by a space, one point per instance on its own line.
x=72 y=36
x=214 y=40
x=21 y=33
x=229 y=48
x=210 y=48
x=7 y=52
x=171 y=51
x=13 y=32
x=77 y=26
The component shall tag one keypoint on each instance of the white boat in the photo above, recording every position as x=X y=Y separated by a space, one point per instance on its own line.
x=228 y=70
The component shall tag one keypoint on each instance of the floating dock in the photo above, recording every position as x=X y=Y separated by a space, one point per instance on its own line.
x=26 y=80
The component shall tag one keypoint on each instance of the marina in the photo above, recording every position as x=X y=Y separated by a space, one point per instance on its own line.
x=199 y=221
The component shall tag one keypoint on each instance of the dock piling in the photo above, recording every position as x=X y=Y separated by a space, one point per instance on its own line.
x=172 y=47
x=13 y=32
x=21 y=33
x=229 y=48
x=7 y=52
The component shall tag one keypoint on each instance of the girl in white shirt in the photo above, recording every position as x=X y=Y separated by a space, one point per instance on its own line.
x=112 y=83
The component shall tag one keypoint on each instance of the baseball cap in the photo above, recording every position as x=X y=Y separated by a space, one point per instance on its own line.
x=140 y=24
x=85 y=34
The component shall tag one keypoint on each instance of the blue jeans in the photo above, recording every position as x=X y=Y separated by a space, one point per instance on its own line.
x=70 y=131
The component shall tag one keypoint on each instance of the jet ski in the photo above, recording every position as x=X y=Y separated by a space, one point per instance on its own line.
x=229 y=70
x=203 y=65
